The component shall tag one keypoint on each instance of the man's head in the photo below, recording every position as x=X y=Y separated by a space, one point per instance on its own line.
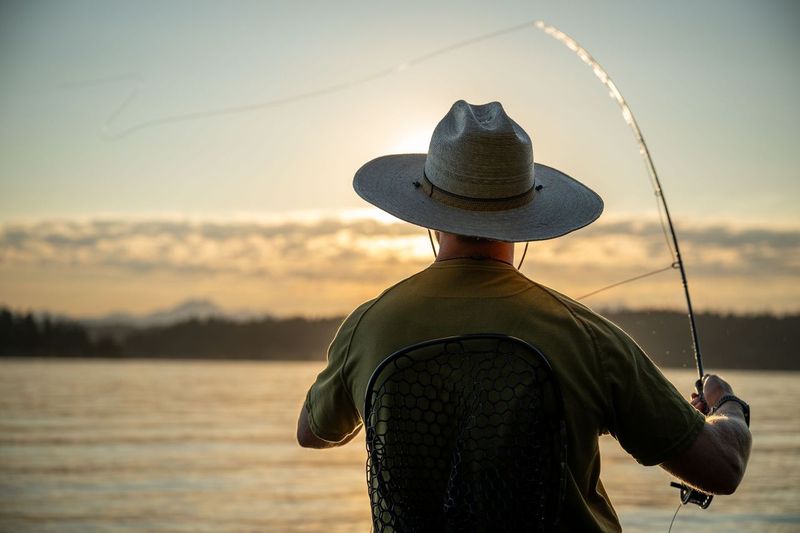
x=479 y=179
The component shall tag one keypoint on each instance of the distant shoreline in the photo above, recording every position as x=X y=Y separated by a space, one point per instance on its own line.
x=757 y=342
x=45 y=359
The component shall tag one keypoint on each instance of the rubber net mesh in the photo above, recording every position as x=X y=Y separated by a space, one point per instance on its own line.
x=465 y=435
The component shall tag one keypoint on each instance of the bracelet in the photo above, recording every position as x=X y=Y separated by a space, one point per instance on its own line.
x=733 y=398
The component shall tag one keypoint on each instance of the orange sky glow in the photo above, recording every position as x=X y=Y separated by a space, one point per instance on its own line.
x=326 y=265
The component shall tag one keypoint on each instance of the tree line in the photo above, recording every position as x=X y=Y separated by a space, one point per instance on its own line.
x=728 y=341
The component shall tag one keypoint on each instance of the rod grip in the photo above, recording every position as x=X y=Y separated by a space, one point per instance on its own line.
x=698 y=386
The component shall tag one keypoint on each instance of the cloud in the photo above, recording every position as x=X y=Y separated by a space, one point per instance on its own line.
x=328 y=247
x=709 y=248
x=346 y=252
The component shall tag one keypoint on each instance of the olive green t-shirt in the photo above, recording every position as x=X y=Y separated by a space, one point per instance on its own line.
x=608 y=383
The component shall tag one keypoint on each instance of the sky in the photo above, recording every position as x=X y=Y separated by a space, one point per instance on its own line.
x=154 y=152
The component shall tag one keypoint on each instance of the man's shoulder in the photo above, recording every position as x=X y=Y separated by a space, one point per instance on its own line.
x=351 y=322
x=575 y=308
x=592 y=321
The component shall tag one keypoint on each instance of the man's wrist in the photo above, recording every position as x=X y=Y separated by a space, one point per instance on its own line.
x=729 y=399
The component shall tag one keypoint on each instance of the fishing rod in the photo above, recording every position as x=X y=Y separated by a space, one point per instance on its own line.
x=688 y=494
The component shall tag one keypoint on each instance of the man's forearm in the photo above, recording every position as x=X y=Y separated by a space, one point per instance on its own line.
x=733 y=435
x=715 y=463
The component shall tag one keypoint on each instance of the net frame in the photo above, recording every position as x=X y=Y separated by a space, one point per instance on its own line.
x=465 y=433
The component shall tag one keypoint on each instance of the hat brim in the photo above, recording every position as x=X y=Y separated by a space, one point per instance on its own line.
x=561 y=206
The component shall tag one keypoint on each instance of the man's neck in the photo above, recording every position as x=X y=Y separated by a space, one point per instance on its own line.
x=453 y=247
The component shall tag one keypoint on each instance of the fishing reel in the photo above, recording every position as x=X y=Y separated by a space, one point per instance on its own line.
x=690 y=495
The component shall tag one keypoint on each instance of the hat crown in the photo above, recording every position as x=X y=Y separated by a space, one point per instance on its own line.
x=477 y=179
x=478 y=151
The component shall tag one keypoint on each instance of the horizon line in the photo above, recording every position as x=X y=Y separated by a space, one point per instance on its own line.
x=249 y=315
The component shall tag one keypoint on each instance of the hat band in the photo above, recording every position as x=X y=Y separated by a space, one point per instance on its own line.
x=475 y=204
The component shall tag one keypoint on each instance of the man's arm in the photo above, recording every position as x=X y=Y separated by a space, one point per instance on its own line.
x=307 y=439
x=716 y=461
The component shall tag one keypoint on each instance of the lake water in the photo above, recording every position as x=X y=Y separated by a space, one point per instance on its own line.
x=209 y=446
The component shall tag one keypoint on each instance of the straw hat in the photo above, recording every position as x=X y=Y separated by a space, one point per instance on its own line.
x=479 y=179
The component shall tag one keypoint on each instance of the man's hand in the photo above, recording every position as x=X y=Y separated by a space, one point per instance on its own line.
x=714 y=388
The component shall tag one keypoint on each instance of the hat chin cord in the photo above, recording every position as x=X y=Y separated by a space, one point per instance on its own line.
x=433 y=247
x=436 y=254
x=524 y=253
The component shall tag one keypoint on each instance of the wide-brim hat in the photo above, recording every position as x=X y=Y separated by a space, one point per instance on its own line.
x=479 y=179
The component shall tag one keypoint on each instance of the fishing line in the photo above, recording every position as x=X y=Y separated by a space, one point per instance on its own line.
x=624 y=281
x=674 y=517
x=602 y=75
x=663 y=222
x=322 y=91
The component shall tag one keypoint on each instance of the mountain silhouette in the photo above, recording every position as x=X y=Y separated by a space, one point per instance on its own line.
x=193 y=308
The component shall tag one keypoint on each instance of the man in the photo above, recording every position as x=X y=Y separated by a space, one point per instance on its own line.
x=480 y=189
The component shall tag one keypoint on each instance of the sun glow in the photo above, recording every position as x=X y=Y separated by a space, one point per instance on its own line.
x=413 y=142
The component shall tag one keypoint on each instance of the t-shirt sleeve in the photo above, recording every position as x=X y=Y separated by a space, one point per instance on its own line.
x=332 y=413
x=649 y=418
